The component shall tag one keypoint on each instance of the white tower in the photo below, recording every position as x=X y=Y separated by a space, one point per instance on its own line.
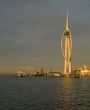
x=66 y=46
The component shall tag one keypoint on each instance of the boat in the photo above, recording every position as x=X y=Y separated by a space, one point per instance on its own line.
x=20 y=73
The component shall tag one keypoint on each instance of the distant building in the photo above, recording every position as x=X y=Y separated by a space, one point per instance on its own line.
x=54 y=74
x=83 y=72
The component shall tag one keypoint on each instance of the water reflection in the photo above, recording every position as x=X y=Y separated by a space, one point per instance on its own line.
x=68 y=93
x=73 y=94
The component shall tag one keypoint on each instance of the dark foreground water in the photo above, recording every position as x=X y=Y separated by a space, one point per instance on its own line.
x=38 y=93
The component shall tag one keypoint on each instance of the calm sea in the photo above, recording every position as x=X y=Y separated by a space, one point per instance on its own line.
x=39 y=93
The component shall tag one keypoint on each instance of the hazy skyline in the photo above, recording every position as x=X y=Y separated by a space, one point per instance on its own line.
x=31 y=31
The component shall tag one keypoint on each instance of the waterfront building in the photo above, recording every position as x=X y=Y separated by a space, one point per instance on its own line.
x=85 y=71
x=66 y=47
x=54 y=74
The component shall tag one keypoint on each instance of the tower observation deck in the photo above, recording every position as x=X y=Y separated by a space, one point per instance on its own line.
x=66 y=47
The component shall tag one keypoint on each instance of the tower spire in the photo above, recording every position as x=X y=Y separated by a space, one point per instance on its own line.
x=67 y=28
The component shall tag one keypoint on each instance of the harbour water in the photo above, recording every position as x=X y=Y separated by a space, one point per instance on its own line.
x=49 y=93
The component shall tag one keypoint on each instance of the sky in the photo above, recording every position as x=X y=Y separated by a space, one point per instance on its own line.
x=31 y=31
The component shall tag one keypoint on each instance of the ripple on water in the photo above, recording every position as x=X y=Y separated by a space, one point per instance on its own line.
x=44 y=94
